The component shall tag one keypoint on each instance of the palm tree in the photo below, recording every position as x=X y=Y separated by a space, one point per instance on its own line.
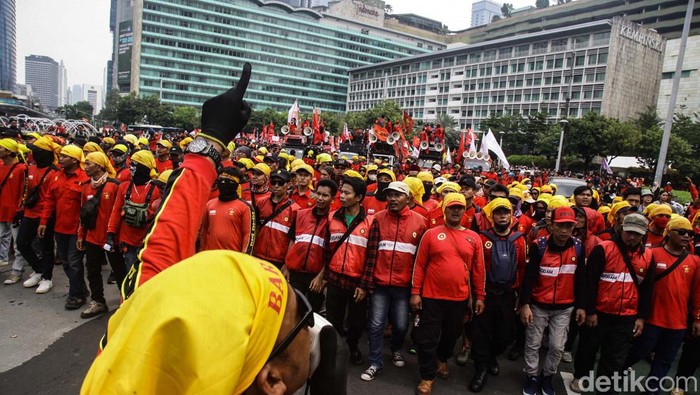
x=449 y=125
x=388 y=9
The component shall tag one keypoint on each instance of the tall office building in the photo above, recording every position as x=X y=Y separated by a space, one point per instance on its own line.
x=8 y=52
x=612 y=67
x=186 y=51
x=62 y=85
x=42 y=73
x=483 y=12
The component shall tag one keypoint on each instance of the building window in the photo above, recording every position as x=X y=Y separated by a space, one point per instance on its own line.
x=505 y=53
x=603 y=58
x=539 y=48
x=601 y=39
x=581 y=42
x=560 y=44
x=600 y=77
x=580 y=60
x=592 y=59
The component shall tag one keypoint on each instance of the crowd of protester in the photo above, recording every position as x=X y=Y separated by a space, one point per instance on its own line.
x=489 y=262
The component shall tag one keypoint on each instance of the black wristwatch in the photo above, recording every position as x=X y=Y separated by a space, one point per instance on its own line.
x=202 y=146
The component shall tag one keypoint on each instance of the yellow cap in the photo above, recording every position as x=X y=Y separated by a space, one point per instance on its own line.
x=304 y=167
x=353 y=173
x=265 y=169
x=661 y=209
x=453 y=199
x=247 y=162
x=425 y=176
x=100 y=159
x=612 y=215
x=495 y=204
x=165 y=143
x=262 y=151
x=388 y=172
x=449 y=185
x=143 y=141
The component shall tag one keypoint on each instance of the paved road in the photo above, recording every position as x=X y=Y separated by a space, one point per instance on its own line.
x=46 y=349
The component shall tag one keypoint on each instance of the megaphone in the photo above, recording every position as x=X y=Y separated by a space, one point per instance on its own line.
x=396 y=136
x=326 y=134
x=480 y=155
x=472 y=155
x=372 y=138
x=308 y=131
x=391 y=140
x=284 y=129
x=439 y=147
x=424 y=145
x=465 y=155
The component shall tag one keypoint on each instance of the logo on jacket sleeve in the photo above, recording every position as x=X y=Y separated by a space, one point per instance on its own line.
x=362 y=230
x=415 y=235
x=441 y=236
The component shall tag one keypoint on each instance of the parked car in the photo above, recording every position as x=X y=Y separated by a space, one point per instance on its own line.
x=566 y=185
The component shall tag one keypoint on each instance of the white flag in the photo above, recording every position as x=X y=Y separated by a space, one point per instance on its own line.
x=489 y=141
x=448 y=158
x=293 y=113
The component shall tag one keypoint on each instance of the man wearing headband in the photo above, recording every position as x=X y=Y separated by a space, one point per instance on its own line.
x=12 y=181
x=248 y=333
x=101 y=190
x=619 y=293
x=126 y=231
x=229 y=221
x=676 y=287
x=449 y=264
x=63 y=202
x=388 y=272
x=39 y=179
x=505 y=253
x=163 y=161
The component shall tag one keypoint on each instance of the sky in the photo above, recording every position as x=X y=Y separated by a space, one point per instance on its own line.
x=77 y=31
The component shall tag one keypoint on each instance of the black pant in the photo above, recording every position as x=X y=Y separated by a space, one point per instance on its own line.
x=301 y=282
x=613 y=335
x=690 y=359
x=573 y=332
x=95 y=258
x=437 y=332
x=118 y=265
x=27 y=233
x=494 y=329
x=339 y=301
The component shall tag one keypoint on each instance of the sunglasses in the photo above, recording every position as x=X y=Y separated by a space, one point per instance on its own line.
x=278 y=183
x=683 y=232
x=340 y=167
x=307 y=320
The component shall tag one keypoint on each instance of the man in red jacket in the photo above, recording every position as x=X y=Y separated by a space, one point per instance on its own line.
x=276 y=215
x=676 y=286
x=39 y=179
x=505 y=253
x=12 y=188
x=120 y=159
x=229 y=221
x=305 y=254
x=63 y=200
x=553 y=285
x=449 y=261
x=620 y=285
x=92 y=237
x=388 y=273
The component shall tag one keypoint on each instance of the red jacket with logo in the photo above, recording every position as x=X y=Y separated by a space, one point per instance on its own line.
x=350 y=257
x=555 y=276
x=98 y=235
x=310 y=234
x=228 y=226
x=11 y=193
x=612 y=288
x=303 y=200
x=33 y=180
x=676 y=291
x=447 y=262
x=398 y=235
x=63 y=199
x=373 y=205
x=272 y=239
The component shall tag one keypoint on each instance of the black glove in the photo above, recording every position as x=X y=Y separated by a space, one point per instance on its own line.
x=331 y=376
x=110 y=241
x=225 y=115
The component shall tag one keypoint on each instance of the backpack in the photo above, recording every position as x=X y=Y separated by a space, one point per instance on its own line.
x=88 y=211
x=504 y=267
x=136 y=214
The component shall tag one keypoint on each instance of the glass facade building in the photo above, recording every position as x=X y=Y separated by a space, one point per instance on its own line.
x=594 y=64
x=187 y=51
x=8 y=51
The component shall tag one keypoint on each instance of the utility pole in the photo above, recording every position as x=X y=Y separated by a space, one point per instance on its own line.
x=661 y=163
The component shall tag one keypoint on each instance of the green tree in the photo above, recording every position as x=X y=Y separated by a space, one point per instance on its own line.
x=679 y=153
x=542 y=3
x=109 y=111
x=585 y=135
x=620 y=138
x=186 y=117
x=495 y=18
x=510 y=125
x=79 y=110
x=449 y=125
x=128 y=110
x=506 y=10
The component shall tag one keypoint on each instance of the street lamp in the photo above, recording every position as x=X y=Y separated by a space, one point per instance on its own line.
x=564 y=126
x=501 y=133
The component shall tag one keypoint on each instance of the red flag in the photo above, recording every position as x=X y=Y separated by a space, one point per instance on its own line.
x=462 y=144
x=408 y=123
x=416 y=141
x=271 y=129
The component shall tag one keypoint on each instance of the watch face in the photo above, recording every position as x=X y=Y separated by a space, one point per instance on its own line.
x=197 y=146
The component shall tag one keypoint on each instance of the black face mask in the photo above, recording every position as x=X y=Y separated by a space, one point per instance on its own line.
x=381 y=190
x=140 y=174
x=42 y=158
x=428 y=191
x=539 y=214
x=500 y=228
x=228 y=191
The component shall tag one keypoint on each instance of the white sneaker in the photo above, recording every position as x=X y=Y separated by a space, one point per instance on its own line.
x=32 y=281
x=44 y=286
x=4 y=263
x=13 y=279
x=567 y=357
x=576 y=386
